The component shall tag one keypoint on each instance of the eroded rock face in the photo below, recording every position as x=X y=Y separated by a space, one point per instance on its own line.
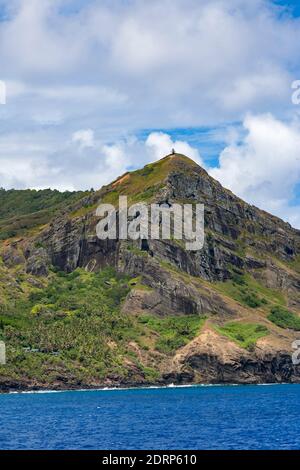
x=229 y=216
x=231 y=227
x=238 y=238
x=169 y=294
x=63 y=240
x=12 y=256
x=37 y=262
x=276 y=277
x=211 y=358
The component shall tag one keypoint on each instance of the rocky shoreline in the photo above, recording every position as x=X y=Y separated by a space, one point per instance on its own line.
x=278 y=370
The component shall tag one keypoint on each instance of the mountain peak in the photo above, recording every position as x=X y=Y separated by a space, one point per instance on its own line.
x=175 y=159
x=147 y=181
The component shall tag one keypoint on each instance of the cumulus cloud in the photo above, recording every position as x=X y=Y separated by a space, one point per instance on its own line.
x=260 y=164
x=161 y=144
x=87 y=160
x=84 y=137
x=27 y=167
x=83 y=76
x=263 y=167
x=158 y=64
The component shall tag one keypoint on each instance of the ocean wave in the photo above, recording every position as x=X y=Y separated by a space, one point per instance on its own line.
x=150 y=387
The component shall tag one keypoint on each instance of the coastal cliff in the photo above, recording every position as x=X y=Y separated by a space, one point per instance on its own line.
x=80 y=312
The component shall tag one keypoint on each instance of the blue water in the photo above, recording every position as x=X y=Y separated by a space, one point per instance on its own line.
x=217 y=417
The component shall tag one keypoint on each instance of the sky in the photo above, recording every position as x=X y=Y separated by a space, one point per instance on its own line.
x=98 y=87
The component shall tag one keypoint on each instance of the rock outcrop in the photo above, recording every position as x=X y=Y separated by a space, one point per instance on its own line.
x=240 y=240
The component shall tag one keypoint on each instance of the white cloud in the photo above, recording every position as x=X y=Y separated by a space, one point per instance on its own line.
x=35 y=39
x=161 y=144
x=87 y=161
x=159 y=63
x=23 y=168
x=84 y=137
x=264 y=167
x=256 y=89
x=261 y=165
x=108 y=70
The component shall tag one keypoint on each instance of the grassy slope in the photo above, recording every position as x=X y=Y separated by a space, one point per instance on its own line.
x=142 y=185
x=250 y=293
x=23 y=210
x=284 y=318
x=244 y=334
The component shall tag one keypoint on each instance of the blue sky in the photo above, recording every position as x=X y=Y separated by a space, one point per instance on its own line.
x=97 y=87
x=292 y=5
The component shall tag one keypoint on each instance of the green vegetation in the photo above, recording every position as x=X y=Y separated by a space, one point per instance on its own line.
x=84 y=210
x=295 y=265
x=249 y=292
x=284 y=318
x=73 y=326
x=21 y=202
x=23 y=210
x=136 y=283
x=172 y=331
x=244 y=334
x=69 y=325
x=142 y=185
x=136 y=250
x=81 y=292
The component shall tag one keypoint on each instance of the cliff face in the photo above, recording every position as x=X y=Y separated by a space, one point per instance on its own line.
x=244 y=284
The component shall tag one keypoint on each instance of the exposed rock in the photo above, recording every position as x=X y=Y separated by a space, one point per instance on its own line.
x=215 y=359
x=37 y=262
x=239 y=238
x=12 y=256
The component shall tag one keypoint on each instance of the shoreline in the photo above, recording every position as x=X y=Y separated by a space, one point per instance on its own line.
x=150 y=387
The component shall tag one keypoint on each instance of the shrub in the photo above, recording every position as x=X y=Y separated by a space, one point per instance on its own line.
x=174 y=331
x=284 y=318
x=238 y=279
x=244 y=334
x=251 y=299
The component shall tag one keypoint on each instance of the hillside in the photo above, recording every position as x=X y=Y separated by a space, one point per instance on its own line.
x=78 y=312
x=24 y=210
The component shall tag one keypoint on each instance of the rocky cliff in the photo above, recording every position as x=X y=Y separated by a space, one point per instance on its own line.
x=227 y=313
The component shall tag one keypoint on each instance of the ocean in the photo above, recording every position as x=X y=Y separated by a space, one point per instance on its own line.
x=200 y=417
